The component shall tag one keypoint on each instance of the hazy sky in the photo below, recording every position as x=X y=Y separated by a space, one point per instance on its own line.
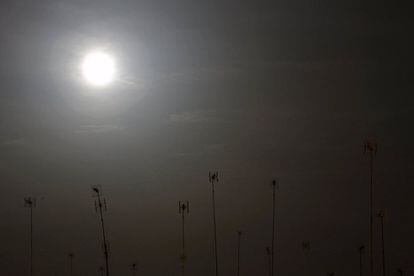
x=253 y=89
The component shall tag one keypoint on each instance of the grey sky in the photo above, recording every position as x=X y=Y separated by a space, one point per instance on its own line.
x=286 y=89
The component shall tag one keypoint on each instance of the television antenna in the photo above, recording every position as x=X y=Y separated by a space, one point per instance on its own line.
x=100 y=207
x=371 y=148
x=183 y=208
x=30 y=202
x=213 y=179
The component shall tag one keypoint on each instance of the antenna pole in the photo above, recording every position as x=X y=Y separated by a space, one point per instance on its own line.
x=274 y=186
x=30 y=202
x=371 y=253
x=133 y=268
x=31 y=240
x=97 y=191
x=213 y=178
x=101 y=270
x=71 y=255
x=306 y=246
x=381 y=216
x=183 y=208
x=269 y=260
x=239 y=233
x=371 y=149
x=361 y=251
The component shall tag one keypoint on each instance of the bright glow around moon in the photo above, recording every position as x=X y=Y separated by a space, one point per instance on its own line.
x=98 y=68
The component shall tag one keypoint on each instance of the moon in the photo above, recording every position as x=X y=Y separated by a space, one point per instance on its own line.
x=98 y=68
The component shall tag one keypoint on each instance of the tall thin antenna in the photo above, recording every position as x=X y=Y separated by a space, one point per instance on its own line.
x=269 y=260
x=134 y=268
x=239 y=233
x=100 y=204
x=213 y=178
x=306 y=247
x=30 y=202
x=361 y=250
x=101 y=270
x=371 y=149
x=71 y=255
x=381 y=216
x=275 y=185
x=183 y=208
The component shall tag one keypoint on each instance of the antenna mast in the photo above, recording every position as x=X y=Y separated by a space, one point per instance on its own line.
x=100 y=204
x=183 y=208
x=275 y=185
x=213 y=178
x=239 y=233
x=134 y=268
x=71 y=255
x=306 y=247
x=381 y=216
x=101 y=270
x=30 y=202
x=361 y=251
x=371 y=149
x=269 y=260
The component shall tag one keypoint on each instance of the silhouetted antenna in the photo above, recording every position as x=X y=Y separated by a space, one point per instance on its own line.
x=306 y=245
x=134 y=268
x=269 y=260
x=371 y=148
x=361 y=250
x=101 y=270
x=213 y=178
x=71 y=255
x=239 y=233
x=30 y=202
x=381 y=216
x=100 y=204
x=275 y=186
x=183 y=208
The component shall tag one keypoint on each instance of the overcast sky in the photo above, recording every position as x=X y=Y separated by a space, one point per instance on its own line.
x=252 y=89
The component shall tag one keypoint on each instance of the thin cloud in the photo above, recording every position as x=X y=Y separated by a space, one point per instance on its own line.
x=196 y=116
x=14 y=142
x=206 y=150
x=97 y=129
